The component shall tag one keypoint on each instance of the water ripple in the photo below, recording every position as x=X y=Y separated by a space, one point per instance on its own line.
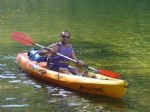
x=30 y=82
x=8 y=76
x=15 y=81
x=8 y=58
x=10 y=98
x=17 y=105
x=2 y=66
x=71 y=104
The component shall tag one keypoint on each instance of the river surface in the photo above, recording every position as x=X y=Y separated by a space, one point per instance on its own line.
x=106 y=34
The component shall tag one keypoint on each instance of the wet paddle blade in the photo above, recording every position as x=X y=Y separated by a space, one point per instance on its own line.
x=22 y=38
x=109 y=73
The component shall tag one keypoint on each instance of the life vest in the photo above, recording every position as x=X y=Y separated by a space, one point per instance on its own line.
x=56 y=62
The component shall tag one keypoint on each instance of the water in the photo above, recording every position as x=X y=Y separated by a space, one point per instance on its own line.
x=112 y=35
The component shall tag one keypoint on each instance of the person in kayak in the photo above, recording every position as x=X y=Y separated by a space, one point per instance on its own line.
x=59 y=63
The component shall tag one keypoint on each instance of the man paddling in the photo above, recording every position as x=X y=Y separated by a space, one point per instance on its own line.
x=27 y=40
x=57 y=62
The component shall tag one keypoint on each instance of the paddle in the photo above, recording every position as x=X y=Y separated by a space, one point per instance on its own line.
x=26 y=40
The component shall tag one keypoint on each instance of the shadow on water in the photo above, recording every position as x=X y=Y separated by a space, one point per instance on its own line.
x=104 y=56
x=96 y=50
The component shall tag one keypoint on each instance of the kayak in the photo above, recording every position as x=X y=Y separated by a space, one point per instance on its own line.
x=97 y=85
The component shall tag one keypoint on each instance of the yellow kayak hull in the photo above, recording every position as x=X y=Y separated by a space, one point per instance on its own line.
x=102 y=85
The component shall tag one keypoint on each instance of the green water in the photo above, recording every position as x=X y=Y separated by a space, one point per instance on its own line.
x=106 y=34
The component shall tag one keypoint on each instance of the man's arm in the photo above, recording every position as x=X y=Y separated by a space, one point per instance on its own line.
x=49 y=51
x=73 y=56
x=79 y=62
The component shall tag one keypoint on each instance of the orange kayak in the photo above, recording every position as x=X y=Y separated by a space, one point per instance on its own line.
x=100 y=85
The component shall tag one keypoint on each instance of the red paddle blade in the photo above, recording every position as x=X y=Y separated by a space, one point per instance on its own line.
x=109 y=73
x=22 y=38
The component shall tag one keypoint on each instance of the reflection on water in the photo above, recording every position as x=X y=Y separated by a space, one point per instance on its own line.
x=31 y=83
x=8 y=106
x=15 y=81
x=8 y=76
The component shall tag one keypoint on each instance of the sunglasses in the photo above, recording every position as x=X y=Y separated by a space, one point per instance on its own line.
x=65 y=36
